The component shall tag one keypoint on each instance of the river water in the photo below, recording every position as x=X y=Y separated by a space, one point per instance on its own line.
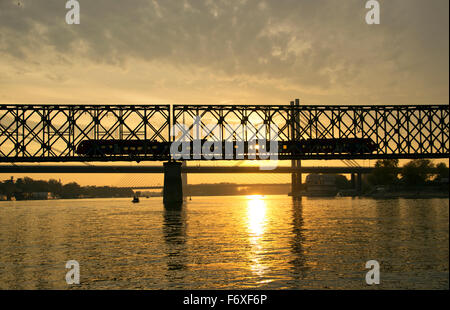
x=238 y=242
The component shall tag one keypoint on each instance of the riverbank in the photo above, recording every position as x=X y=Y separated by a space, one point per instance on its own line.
x=409 y=194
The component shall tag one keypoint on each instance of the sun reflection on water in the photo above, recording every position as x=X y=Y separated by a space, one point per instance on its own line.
x=256 y=221
x=256 y=214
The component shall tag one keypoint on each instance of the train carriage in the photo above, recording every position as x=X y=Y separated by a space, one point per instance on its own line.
x=98 y=148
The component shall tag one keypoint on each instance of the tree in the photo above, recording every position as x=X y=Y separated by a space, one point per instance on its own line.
x=417 y=172
x=71 y=190
x=55 y=187
x=23 y=187
x=342 y=182
x=7 y=187
x=385 y=172
x=442 y=171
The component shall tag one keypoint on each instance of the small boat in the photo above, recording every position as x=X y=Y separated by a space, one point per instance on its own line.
x=135 y=199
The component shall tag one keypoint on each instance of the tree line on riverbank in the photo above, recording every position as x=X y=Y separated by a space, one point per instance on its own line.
x=27 y=188
x=414 y=174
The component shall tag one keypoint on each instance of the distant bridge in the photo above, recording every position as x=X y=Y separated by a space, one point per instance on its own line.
x=214 y=184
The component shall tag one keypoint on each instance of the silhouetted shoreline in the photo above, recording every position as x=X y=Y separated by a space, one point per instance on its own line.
x=29 y=189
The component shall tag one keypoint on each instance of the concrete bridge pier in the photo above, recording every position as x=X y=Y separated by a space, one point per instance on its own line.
x=296 y=179
x=356 y=181
x=184 y=180
x=173 y=185
x=359 y=183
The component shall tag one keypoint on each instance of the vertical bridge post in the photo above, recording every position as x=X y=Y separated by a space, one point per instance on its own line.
x=184 y=180
x=173 y=186
x=356 y=182
x=359 y=183
x=297 y=138
x=296 y=177
x=173 y=183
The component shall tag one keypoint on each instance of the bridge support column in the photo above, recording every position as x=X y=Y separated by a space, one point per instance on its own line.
x=173 y=186
x=296 y=177
x=184 y=181
x=359 y=182
x=352 y=180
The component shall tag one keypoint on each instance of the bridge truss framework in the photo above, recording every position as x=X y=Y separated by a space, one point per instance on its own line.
x=50 y=133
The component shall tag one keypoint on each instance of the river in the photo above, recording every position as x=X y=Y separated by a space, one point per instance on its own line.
x=233 y=242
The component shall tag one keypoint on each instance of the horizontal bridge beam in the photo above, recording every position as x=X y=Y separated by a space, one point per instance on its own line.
x=159 y=169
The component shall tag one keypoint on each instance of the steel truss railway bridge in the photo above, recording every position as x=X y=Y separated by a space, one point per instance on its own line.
x=51 y=133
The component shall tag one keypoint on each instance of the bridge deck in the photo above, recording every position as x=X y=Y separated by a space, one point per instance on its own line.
x=184 y=169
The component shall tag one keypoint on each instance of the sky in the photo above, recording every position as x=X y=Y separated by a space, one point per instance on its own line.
x=224 y=52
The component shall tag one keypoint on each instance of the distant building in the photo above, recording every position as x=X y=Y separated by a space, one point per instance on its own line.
x=320 y=185
x=41 y=195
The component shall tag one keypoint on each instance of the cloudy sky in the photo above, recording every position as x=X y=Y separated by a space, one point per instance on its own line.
x=217 y=51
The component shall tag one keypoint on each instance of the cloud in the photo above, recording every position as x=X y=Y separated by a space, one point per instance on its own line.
x=237 y=51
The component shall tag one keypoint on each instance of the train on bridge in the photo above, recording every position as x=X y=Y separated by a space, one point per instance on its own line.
x=157 y=149
x=84 y=133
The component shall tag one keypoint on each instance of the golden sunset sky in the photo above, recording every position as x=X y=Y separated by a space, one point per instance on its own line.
x=222 y=52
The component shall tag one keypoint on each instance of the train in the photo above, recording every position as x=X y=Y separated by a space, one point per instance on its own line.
x=157 y=149
x=122 y=147
x=329 y=146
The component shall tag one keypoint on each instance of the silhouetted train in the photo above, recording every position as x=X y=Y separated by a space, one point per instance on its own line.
x=329 y=146
x=123 y=147
x=162 y=149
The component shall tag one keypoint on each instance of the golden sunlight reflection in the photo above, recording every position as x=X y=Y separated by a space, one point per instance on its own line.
x=256 y=221
x=256 y=212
